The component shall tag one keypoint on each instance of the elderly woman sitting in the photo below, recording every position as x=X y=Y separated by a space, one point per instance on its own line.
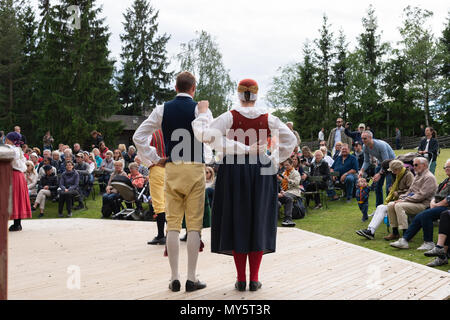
x=112 y=194
x=68 y=188
x=31 y=177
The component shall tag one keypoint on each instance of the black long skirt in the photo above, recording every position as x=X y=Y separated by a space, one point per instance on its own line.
x=244 y=214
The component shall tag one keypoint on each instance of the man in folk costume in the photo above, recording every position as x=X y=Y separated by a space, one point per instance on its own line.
x=184 y=185
x=156 y=179
x=244 y=214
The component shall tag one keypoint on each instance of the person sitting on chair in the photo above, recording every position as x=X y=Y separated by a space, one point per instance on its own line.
x=319 y=167
x=347 y=166
x=290 y=185
x=68 y=188
x=112 y=194
x=48 y=186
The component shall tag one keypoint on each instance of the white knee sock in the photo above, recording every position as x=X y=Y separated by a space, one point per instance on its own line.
x=193 y=245
x=173 y=249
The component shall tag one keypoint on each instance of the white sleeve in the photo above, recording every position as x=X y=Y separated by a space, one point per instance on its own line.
x=143 y=136
x=215 y=132
x=286 y=139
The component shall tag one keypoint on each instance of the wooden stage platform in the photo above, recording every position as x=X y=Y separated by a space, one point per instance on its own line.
x=104 y=259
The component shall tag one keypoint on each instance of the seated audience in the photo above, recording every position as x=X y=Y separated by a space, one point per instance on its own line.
x=34 y=159
x=31 y=177
x=326 y=157
x=416 y=200
x=403 y=181
x=106 y=168
x=129 y=156
x=337 y=150
x=123 y=148
x=68 y=188
x=111 y=195
x=48 y=186
x=142 y=169
x=426 y=218
x=319 y=168
x=103 y=149
x=98 y=159
x=347 y=167
x=46 y=162
x=358 y=153
x=290 y=191
x=323 y=143
x=76 y=148
x=440 y=250
x=84 y=181
x=117 y=156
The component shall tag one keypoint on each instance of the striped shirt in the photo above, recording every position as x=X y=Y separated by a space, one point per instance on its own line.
x=158 y=143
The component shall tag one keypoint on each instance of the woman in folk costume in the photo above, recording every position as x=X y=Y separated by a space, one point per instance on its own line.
x=244 y=214
x=21 y=201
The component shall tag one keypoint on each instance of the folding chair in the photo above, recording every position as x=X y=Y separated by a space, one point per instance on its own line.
x=322 y=193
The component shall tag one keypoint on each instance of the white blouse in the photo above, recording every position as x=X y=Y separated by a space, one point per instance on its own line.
x=215 y=133
x=19 y=162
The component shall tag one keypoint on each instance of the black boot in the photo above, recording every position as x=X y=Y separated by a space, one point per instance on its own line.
x=16 y=226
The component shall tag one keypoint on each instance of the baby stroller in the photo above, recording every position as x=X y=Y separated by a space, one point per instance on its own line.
x=129 y=194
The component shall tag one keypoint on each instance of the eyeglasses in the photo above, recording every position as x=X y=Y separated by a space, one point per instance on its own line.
x=416 y=164
x=364 y=138
x=448 y=167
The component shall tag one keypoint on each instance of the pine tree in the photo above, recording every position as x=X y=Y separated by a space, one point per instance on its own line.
x=324 y=56
x=420 y=50
x=339 y=78
x=143 y=80
x=11 y=60
x=444 y=99
x=371 y=50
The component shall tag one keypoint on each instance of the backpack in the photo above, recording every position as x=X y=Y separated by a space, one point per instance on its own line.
x=298 y=209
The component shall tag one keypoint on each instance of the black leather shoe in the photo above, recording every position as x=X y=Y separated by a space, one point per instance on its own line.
x=240 y=285
x=15 y=228
x=255 y=285
x=175 y=285
x=192 y=286
x=157 y=240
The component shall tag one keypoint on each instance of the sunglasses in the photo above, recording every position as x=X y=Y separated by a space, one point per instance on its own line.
x=448 y=167
x=416 y=164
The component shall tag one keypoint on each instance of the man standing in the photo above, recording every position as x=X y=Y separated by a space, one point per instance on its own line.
x=355 y=135
x=184 y=187
x=322 y=134
x=398 y=137
x=290 y=125
x=338 y=135
x=381 y=151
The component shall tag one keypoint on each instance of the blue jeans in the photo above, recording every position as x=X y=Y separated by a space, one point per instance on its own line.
x=379 y=187
x=364 y=207
x=424 y=220
x=350 y=182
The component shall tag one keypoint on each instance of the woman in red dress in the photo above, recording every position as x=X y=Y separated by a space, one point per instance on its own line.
x=21 y=201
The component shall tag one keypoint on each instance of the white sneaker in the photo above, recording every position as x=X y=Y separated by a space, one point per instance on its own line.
x=400 y=244
x=426 y=246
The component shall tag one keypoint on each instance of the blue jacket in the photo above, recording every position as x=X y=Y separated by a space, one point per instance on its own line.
x=69 y=180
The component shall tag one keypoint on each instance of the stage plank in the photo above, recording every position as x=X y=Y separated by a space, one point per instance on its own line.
x=115 y=262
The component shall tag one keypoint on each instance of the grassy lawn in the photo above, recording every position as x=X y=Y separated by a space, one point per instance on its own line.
x=339 y=221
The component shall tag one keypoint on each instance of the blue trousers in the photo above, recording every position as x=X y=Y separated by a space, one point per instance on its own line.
x=379 y=187
x=350 y=182
x=424 y=220
x=364 y=207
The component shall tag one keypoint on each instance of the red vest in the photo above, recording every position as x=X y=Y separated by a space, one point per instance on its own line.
x=253 y=128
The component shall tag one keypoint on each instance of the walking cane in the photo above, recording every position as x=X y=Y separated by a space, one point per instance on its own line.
x=6 y=156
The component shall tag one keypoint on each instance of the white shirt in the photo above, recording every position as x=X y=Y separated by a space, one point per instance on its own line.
x=321 y=136
x=328 y=160
x=214 y=132
x=143 y=135
x=337 y=135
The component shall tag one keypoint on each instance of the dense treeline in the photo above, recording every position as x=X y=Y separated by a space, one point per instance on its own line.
x=381 y=84
x=56 y=73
